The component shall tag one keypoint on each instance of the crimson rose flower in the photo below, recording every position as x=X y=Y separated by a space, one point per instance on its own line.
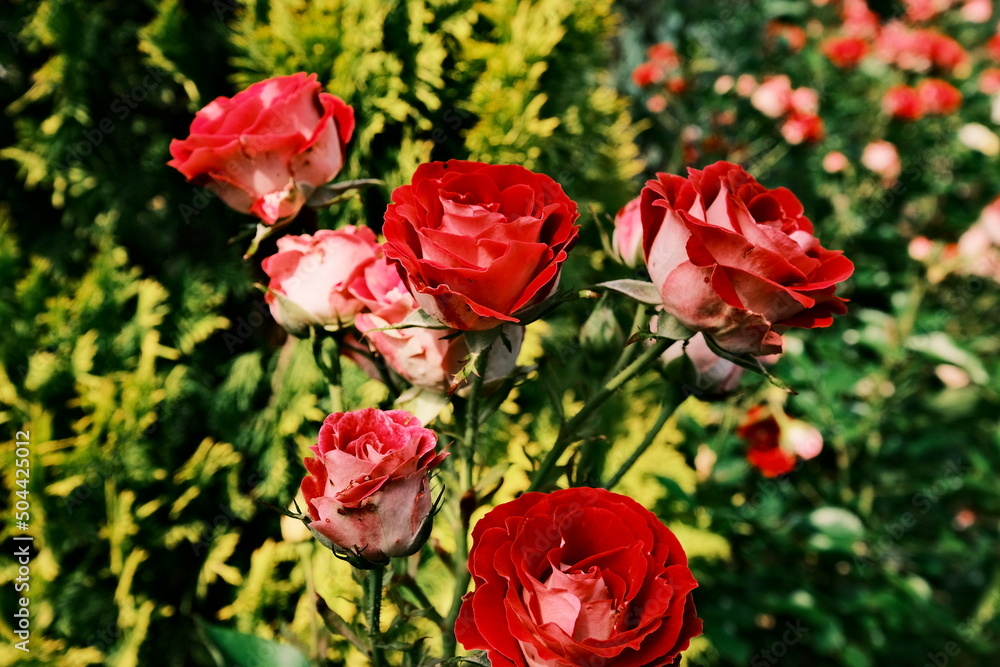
x=736 y=260
x=477 y=243
x=265 y=150
x=577 y=577
x=368 y=488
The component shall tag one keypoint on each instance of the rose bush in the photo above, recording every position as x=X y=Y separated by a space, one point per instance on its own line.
x=311 y=277
x=580 y=576
x=479 y=243
x=368 y=487
x=267 y=148
x=427 y=358
x=736 y=260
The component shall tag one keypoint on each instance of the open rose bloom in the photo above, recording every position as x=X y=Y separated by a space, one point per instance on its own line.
x=776 y=446
x=266 y=149
x=580 y=576
x=478 y=243
x=737 y=261
x=368 y=487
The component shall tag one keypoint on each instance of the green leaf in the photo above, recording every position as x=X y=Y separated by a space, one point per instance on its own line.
x=837 y=529
x=668 y=326
x=639 y=290
x=240 y=650
x=331 y=193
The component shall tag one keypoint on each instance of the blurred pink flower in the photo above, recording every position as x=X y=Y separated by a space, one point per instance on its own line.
x=882 y=158
x=834 y=162
x=773 y=96
x=977 y=11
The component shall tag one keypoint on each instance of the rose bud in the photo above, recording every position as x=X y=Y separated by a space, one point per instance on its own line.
x=580 y=576
x=311 y=277
x=882 y=158
x=736 y=260
x=426 y=358
x=834 y=162
x=626 y=240
x=267 y=148
x=368 y=487
x=477 y=243
x=939 y=97
x=845 y=52
x=712 y=376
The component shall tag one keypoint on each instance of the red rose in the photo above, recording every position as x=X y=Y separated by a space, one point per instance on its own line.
x=477 y=243
x=802 y=127
x=939 y=97
x=647 y=74
x=368 y=488
x=265 y=150
x=736 y=260
x=775 y=446
x=577 y=577
x=311 y=277
x=427 y=358
x=993 y=48
x=845 y=51
x=903 y=102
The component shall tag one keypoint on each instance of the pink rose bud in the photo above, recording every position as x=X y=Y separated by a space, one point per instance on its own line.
x=921 y=248
x=745 y=85
x=802 y=438
x=804 y=101
x=773 y=97
x=267 y=148
x=368 y=487
x=834 y=162
x=626 y=241
x=977 y=11
x=311 y=277
x=714 y=377
x=736 y=260
x=426 y=358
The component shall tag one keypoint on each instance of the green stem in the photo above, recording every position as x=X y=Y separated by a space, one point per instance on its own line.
x=331 y=371
x=568 y=432
x=670 y=405
x=375 y=615
x=461 y=557
x=630 y=350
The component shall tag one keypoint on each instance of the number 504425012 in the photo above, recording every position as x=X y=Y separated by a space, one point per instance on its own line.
x=22 y=476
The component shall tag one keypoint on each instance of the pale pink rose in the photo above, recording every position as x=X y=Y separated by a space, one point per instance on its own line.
x=745 y=85
x=920 y=248
x=311 y=277
x=426 y=358
x=266 y=149
x=773 y=96
x=834 y=162
x=977 y=11
x=724 y=84
x=882 y=158
x=368 y=486
x=802 y=438
x=804 y=101
x=626 y=241
x=979 y=247
x=656 y=103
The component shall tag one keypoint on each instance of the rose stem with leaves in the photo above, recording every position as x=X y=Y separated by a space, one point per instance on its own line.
x=568 y=431
x=375 y=615
x=331 y=370
x=667 y=409
x=461 y=566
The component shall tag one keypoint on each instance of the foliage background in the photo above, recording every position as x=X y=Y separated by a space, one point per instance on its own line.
x=163 y=401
